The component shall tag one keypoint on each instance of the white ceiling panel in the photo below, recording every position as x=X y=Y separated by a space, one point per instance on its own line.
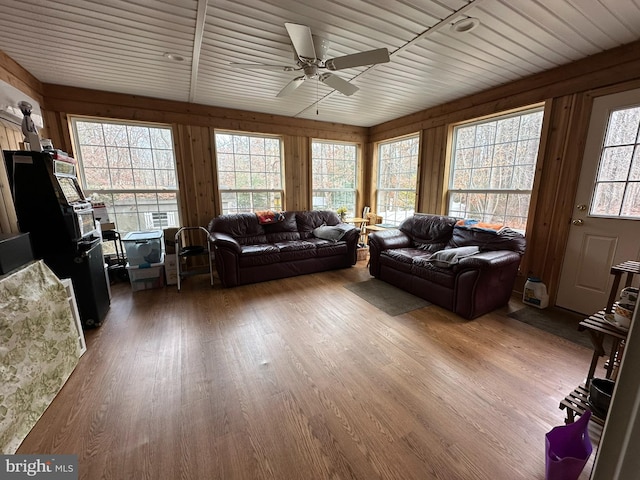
x=118 y=45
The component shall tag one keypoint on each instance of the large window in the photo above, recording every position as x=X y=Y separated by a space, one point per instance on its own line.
x=397 y=179
x=249 y=172
x=492 y=168
x=335 y=167
x=617 y=189
x=131 y=168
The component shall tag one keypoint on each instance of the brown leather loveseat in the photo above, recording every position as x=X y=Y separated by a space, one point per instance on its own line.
x=466 y=269
x=299 y=242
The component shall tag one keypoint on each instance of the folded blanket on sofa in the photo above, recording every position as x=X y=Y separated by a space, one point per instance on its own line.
x=470 y=223
x=269 y=216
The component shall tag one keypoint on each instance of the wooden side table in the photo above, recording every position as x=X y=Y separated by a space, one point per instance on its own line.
x=576 y=403
x=629 y=267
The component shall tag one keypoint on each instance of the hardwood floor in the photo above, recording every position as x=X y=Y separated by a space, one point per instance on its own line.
x=301 y=379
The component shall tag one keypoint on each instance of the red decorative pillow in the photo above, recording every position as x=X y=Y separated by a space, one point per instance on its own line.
x=269 y=216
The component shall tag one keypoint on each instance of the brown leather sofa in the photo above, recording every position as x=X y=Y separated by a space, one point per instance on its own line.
x=302 y=242
x=467 y=270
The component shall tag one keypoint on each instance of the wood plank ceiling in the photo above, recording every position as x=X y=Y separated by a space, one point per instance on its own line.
x=118 y=46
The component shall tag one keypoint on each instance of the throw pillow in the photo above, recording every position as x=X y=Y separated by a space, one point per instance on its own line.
x=328 y=232
x=451 y=256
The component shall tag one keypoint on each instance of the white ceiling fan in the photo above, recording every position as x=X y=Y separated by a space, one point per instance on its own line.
x=310 y=52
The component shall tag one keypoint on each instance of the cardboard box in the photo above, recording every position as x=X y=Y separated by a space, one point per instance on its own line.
x=15 y=251
x=171 y=269
x=170 y=240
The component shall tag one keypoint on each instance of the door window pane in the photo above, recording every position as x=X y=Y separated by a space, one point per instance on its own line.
x=616 y=190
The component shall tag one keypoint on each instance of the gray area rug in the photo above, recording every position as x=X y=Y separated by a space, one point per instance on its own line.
x=391 y=300
x=556 y=321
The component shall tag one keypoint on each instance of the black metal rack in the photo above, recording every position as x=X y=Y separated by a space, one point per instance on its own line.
x=192 y=242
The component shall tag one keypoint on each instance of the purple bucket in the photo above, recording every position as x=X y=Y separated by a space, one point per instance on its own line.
x=568 y=449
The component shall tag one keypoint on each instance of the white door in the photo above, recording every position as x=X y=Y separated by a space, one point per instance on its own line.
x=605 y=228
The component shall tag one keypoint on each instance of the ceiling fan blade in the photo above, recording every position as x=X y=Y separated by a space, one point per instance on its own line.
x=370 y=57
x=262 y=66
x=339 y=84
x=302 y=40
x=290 y=87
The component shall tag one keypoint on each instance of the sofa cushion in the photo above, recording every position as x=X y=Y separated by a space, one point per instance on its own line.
x=449 y=257
x=296 y=250
x=287 y=229
x=423 y=268
x=402 y=258
x=259 y=254
x=327 y=248
x=310 y=220
x=243 y=227
x=428 y=232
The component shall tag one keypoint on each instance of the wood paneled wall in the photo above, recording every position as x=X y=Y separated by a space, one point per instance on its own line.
x=11 y=135
x=193 y=127
x=566 y=91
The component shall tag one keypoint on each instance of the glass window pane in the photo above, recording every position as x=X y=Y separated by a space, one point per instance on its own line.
x=397 y=178
x=608 y=199
x=249 y=172
x=631 y=203
x=335 y=175
x=505 y=151
x=614 y=164
x=623 y=127
x=116 y=156
x=616 y=190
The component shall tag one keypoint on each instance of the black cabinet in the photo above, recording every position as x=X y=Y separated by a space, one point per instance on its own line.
x=52 y=208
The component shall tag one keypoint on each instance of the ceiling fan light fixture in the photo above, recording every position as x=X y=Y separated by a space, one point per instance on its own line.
x=465 y=25
x=173 y=56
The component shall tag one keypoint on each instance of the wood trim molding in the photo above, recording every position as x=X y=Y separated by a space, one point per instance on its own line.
x=79 y=101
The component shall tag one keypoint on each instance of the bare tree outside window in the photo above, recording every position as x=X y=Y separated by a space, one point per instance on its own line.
x=493 y=166
x=397 y=179
x=334 y=175
x=249 y=172
x=132 y=169
x=617 y=190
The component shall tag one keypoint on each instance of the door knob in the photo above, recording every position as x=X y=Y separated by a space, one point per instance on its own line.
x=579 y=222
x=582 y=207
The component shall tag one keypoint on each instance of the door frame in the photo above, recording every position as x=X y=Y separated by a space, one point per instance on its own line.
x=573 y=153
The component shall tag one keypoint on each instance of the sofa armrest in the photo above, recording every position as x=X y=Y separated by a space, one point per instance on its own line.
x=388 y=239
x=489 y=259
x=222 y=240
x=381 y=241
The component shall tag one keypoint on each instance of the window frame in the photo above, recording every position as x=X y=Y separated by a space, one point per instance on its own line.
x=380 y=189
x=117 y=210
x=509 y=192
x=352 y=208
x=275 y=203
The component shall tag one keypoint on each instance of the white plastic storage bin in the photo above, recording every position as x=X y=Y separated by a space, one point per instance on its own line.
x=143 y=247
x=146 y=276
